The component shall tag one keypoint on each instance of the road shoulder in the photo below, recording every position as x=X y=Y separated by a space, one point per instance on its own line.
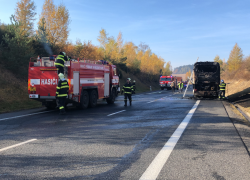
x=241 y=124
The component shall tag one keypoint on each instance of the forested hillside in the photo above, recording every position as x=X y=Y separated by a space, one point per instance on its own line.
x=183 y=69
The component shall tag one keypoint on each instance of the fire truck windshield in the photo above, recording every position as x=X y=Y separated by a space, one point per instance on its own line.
x=165 y=79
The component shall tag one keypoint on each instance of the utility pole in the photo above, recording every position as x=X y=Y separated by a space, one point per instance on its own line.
x=190 y=78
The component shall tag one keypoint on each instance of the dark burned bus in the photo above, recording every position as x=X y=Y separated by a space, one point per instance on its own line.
x=206 y=79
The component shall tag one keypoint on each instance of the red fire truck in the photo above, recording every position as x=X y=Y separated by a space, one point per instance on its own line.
x=88 y=81
x=166 y=81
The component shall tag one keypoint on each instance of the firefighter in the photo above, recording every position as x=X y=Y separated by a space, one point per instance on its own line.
x=181 y=86
x=128 y=89
x=60 y=60
x=222 y=89
x=62 y=92
x=133 y=84
x=173 y=86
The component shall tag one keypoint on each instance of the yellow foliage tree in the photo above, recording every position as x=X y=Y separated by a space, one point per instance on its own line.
x=103 y=38
x=235 y=58
x=188 y=74
x=57 y=22
x=130 y=53
x=25 y=13
x=167 y=69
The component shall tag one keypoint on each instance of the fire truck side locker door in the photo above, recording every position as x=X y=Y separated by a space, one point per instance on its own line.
x=106 y=84
x=76 y=82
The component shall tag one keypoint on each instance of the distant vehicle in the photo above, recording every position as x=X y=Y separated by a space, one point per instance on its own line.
x=88 y=80
x=166 y=81
x=206 y=79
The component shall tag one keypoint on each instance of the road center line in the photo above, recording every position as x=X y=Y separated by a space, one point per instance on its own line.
x=156 y=99
x=115 y=113
x=24 y=115
x=157 y=164
x=19 y=144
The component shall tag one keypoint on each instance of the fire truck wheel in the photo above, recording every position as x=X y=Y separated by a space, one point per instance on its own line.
x=85 y=99
x=111 y=100
x=93 y=99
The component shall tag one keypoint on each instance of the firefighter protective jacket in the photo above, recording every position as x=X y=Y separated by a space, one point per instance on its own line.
x=222 y=86
x=60 y=60
x=181 y=85
x=133 y=84
x=62 y=88
x=128 y=88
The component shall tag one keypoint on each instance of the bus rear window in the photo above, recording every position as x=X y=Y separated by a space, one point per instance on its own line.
x=207 y=68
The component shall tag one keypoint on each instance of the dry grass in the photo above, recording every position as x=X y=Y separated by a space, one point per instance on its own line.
x=14 y=93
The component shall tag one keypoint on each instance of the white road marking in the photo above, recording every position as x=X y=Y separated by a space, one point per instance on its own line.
x=19 y=144
x=115 y=113
x=152 y=101
x=24 y=115
x=157 y=164
x=156 y=99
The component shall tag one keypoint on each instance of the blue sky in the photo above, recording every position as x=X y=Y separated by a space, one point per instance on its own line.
x=177 y=30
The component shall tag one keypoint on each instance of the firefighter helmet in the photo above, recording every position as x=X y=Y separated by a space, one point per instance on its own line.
x=61 y=75
x=129 y=79
x=222 y=81
x=62 y=53
x=134 y=81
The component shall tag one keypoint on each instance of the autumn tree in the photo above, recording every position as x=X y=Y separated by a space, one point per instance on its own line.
x=103 y=38
x=119 y=42
x=143 y=47
x=235 y=58
x=57 y=22
x=221 y=63
x=167 y=69
x=15 y=48
x=111 y=49
x=218 y=60
x=41 y=45
x=188 y=74
x=130 y=53
x=25 y=14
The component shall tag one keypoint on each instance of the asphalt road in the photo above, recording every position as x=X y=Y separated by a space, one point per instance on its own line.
x=161 y=136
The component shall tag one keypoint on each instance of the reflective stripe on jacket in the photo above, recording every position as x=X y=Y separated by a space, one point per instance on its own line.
x=133 y=86
x=222 y=86
x=62 y=88
x=60 y=60
x=128 y=88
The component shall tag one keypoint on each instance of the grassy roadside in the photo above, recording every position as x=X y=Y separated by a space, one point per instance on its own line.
x=238 y=91
x=14 y=94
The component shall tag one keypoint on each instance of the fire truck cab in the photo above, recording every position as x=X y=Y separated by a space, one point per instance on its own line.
x=166 y=81
x=88 y=81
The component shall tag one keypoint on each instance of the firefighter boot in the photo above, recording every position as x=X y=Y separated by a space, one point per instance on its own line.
x=130 y=103
x=125 y=103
